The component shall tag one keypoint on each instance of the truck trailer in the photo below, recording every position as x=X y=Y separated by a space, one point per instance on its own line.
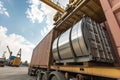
x=2 y=62
x=83 y=45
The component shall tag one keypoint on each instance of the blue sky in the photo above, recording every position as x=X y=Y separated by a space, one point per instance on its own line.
x=18 y=23
x=23 y=24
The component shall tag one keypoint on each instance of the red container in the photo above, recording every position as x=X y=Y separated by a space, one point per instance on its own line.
x=33 y=59
x=112 y=12
x=42 y=53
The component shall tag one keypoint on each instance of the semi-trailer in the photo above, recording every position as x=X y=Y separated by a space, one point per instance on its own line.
x=81 y=47
x=2 y=62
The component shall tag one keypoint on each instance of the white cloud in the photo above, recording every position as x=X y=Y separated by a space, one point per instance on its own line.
x=15 y=42
x=42 y=33
x=3 y=10
x=49 y=12
x=61 y=3
x=33 y=12
x=37 y=10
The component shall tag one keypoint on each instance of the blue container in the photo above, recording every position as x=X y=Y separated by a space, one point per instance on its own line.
x=12 y=57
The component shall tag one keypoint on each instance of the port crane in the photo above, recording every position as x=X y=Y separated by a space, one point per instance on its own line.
x=14 y=60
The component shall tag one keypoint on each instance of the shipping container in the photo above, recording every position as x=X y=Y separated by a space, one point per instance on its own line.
x=112 y=12
x=42 y=53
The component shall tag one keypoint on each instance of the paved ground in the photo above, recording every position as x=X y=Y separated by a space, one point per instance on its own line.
x=14 y=73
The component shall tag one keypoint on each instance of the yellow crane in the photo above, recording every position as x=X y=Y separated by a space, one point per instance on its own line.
x=14 y=60
x=53 y=5
x=61 y=13
x=57 y=7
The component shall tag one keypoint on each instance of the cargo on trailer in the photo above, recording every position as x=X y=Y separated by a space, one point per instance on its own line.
x=85 y=41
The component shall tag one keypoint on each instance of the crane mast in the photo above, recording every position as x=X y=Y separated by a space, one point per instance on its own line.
x=9 y=50
x=4 y=54
x=19 y=53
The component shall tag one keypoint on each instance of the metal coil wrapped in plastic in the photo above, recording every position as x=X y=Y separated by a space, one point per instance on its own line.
x=85 y=41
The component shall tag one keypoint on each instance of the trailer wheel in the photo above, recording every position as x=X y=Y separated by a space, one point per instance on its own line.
x=38 y=77
x=80 y=77
x=56 y=76
x=44 y=77
x=29 y=72
x=2 y=66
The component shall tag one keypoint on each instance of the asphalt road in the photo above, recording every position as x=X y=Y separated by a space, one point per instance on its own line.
x=14 y=73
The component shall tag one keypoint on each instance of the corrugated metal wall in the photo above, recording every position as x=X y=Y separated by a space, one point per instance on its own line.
x=112 y=12
x=42 y=52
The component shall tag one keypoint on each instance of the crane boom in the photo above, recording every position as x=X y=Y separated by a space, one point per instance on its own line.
x=9 y=50
x=53 y=5
x=4 y=54
x=19 y=53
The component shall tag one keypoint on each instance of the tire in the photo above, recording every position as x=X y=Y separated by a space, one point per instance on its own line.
x=2 y=65
x=29 y=72
x=39 y=76
x=44 y=77
x=56 y=76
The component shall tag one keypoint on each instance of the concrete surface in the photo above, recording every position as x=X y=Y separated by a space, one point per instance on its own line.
x=14 y=73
